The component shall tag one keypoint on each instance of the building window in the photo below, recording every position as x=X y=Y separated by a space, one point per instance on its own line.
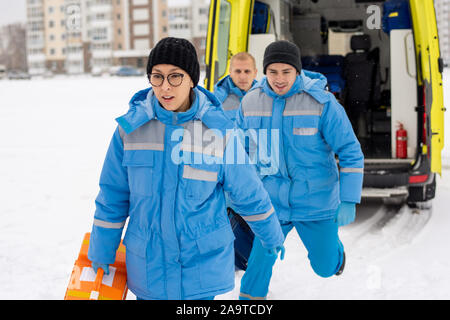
x=140 y=2
x=142 y=44
x=142 y=29
x=140 y=14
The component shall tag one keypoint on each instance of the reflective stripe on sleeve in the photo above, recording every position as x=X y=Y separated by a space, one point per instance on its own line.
x=109 y=225
x=352 y=170
x=259 y=217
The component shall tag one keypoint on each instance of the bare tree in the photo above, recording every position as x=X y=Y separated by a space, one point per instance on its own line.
x=13 y=50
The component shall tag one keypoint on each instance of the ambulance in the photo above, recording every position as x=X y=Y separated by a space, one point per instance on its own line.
x=382 y=62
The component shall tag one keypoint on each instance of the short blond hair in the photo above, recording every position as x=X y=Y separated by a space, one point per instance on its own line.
x=243 y=56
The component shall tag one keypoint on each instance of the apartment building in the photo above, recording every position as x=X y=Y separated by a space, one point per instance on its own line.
x=54 y=35
x=200 y=17
x=36 y=52
x=180 y=20
x=77 y=36
x=77 y=51
x=443 y=16
x=100 y=35
x=189 y=20
x=138 y=26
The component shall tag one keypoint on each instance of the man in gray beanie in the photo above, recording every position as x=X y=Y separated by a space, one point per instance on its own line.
x=307 y=127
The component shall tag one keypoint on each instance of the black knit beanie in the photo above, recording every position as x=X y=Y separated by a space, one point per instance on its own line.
x=177 y=52
x=283 y=52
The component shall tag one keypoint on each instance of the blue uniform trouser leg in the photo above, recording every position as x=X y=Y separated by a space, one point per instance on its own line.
x=321 y=239
x=256 y=279
x=325 y=253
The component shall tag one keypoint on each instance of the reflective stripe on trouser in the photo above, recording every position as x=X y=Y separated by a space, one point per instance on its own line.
x=325 y=252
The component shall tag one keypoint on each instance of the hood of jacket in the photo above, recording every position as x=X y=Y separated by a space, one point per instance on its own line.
x=226 y=86
x=144 y=107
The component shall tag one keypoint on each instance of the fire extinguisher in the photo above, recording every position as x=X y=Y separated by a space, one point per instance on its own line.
x=402 y=142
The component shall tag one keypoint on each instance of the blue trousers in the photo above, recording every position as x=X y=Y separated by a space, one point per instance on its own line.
x=325 y=253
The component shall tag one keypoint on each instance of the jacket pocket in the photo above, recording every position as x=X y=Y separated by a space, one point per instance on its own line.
x=140 y=165
x=216 y=260
x=321 y=179
x=201 y=180
x=278 y=190
x=136 y=261
x=305 y=130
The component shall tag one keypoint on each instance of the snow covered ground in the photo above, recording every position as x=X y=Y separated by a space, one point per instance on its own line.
x=55 y=133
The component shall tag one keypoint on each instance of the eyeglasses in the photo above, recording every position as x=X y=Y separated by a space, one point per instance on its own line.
x=174 y=79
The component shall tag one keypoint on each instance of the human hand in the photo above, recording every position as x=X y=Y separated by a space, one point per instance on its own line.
x=346 y=213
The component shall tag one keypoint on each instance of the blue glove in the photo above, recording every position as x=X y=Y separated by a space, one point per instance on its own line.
x=105 y=267
x=275 y=251
x=346 y=213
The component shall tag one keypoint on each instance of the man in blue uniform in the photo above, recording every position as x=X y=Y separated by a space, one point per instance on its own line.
x=231 y=89
x=307 y=190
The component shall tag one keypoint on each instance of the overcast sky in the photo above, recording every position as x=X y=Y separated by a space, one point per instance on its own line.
x=12 y=11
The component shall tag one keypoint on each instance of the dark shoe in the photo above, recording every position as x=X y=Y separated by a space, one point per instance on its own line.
x=341 y=269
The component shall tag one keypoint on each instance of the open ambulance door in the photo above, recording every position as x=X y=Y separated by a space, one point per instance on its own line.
x=429 y=66
x=226 y=17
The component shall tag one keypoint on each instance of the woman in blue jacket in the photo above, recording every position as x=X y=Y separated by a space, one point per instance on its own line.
x=307 y=127
x=165 y=171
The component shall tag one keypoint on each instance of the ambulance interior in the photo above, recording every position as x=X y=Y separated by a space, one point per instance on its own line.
x=371 y=72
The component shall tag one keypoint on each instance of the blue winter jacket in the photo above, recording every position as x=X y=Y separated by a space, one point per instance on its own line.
x=166 y=172
x=230 y=96
x=298 y=167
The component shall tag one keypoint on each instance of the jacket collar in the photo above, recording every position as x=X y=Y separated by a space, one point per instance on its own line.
x=296 y=88
x=144 y=107
x=228 y=85
x=171 y=117
x=310 y=82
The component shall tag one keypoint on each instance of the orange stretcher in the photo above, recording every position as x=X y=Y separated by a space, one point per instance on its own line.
x=84 y=284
